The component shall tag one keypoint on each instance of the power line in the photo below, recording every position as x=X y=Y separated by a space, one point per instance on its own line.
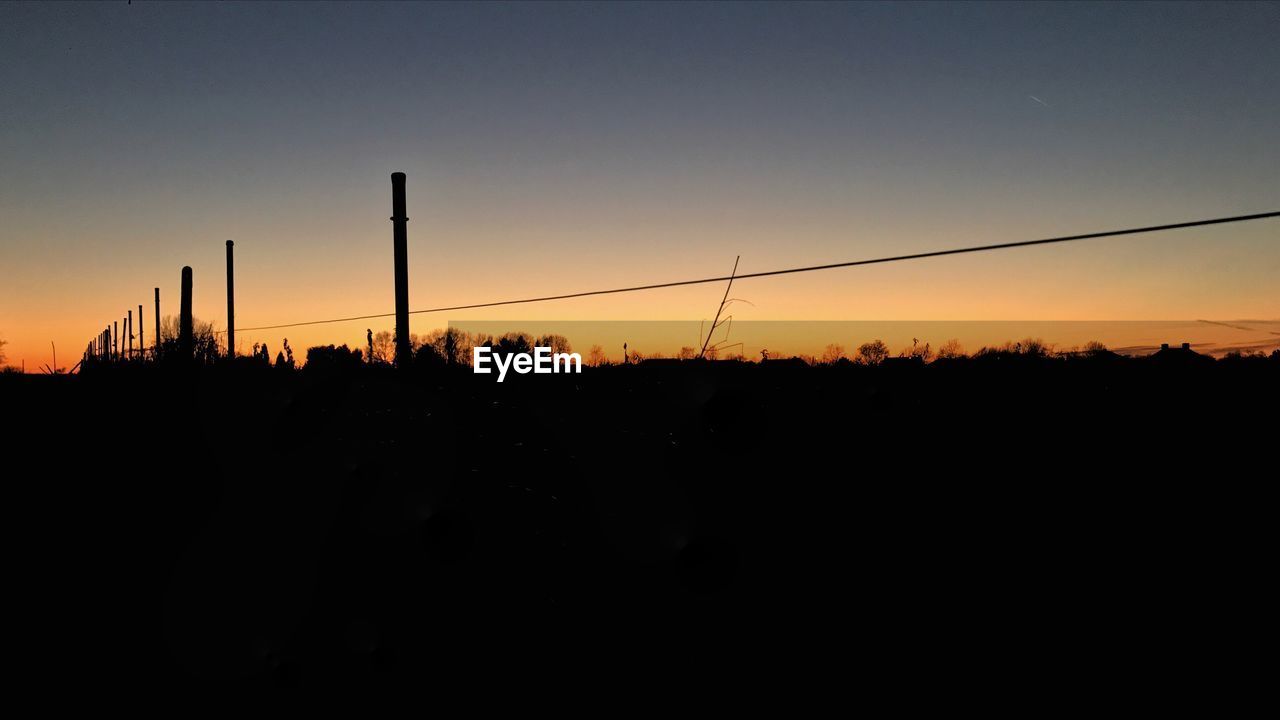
x=808 y=268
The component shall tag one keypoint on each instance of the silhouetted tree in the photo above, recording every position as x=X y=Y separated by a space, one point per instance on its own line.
x=832 y=354
x=383 y=347
x=426 y=355
x=596 y=356
x=452 y=345
x=513 y=343
x=950 y=350
x=2 y=344
x=327 y=358
x=448 y=345
x=557 y=343
x=872 y=353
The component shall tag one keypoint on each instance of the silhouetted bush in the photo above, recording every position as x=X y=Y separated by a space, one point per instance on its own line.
x=1236 y=358
x=923 y=353
x=1025 y=349
x=205 y=348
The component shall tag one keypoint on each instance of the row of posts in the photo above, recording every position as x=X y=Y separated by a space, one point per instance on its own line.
x=107 y=346
x=110 y=345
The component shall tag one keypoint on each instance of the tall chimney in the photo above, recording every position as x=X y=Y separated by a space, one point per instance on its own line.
x=401 y=237
x=128 y=331
x=186 y=332
x=231 y=303
x=142 y=330
x=115 y=336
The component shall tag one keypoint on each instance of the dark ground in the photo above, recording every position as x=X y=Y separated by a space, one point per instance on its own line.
x=938 y=530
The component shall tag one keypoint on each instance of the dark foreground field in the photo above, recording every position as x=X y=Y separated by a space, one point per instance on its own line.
x=947 y=529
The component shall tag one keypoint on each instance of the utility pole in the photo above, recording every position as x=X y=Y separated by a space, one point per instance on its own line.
x=400 y=233
x=128 y=330
x=142 y=352
x=157 y=353
x=186 y=331
x=231 y=303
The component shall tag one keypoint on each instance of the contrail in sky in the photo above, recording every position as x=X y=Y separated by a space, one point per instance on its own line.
x=1234 y=327
x=1033 y=97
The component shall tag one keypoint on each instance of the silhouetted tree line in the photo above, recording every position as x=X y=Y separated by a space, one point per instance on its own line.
x=449 y=347
x=876 y=352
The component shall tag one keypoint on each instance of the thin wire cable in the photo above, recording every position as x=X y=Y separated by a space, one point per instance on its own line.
x=787 y=271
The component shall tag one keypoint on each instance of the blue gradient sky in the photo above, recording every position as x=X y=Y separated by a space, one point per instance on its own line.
x=568 y=147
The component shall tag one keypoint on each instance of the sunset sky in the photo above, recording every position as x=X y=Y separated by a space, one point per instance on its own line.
x=558 y=148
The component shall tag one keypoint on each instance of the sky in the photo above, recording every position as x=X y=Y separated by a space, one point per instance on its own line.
x=557 y=148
